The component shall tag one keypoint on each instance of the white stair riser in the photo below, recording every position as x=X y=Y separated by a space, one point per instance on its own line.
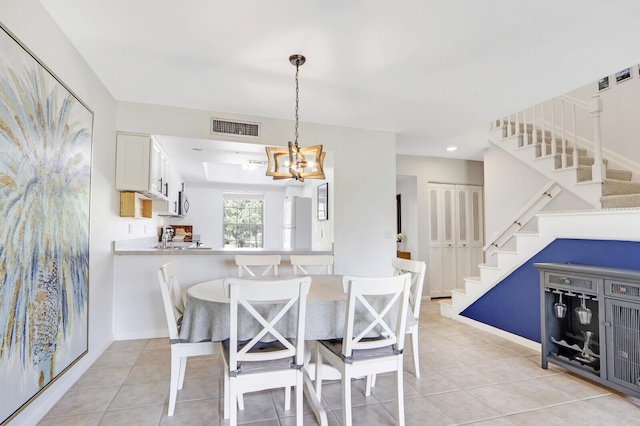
x=460 y=299
x=474 y=288
x=446 y=310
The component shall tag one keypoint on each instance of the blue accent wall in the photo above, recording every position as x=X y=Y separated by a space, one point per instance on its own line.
x=513 y=304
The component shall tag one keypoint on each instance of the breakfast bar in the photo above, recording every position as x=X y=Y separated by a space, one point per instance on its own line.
x=137 y=297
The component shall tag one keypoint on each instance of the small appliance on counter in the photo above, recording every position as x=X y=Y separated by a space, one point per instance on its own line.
x=178 y=233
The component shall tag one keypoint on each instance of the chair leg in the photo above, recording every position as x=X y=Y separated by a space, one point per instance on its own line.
x=240 y=401
x=416 y=354
x=371 y=383
x=346 y=399
x=173 y=385
x=227 y=397
x=287 y=398
x=399 y=393
x=183 y=368
x=318 y=373
x=299 y=398
x=233 y=395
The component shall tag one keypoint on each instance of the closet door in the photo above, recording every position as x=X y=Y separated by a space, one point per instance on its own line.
x=463 y=238
x=442 y=235
x=476 y=229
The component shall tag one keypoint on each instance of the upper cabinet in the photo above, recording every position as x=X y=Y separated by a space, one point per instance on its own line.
x=142 y=166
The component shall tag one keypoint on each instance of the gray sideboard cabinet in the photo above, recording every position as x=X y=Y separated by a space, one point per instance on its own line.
x=590 y=322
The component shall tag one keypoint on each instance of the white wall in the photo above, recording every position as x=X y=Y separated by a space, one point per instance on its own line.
x=29 y=22
x=362 y=197
x=440 y=170
x=206 y=214
x=407 y=187
x=509 y=185
x=620 y=126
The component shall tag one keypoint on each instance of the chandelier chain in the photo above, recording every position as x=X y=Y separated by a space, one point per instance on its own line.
x=297 y=98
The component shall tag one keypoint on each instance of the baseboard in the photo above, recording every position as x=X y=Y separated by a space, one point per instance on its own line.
x=500 y=333
x=148 y=334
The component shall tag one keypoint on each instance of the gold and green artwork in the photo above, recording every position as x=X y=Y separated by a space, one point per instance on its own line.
x=45 y=180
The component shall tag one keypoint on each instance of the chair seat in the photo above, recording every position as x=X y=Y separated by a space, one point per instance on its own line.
x=256 y=366
x=335 y=346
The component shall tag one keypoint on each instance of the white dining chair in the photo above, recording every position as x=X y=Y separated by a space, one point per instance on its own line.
x=417 y=270
x=174 y=307
x=253 y=365
x=369 y=345
x=312 y=264
x=250 y=264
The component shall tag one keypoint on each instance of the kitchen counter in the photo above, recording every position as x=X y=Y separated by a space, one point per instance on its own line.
x=149 y=246
x=138 y=306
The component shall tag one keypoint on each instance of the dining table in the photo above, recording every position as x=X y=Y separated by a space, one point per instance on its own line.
x=206 y=317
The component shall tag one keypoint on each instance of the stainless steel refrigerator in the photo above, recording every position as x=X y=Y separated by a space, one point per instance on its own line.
x=296 y=223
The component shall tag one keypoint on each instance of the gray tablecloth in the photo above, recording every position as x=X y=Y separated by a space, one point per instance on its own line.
x=206 y=315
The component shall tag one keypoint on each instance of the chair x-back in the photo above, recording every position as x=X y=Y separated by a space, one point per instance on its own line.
x=250 y=265
x=174 y=307
x=312 y=264
x=372 y=343
x=268 y=358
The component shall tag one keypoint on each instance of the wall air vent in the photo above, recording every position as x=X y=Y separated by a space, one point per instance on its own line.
x=243 y=129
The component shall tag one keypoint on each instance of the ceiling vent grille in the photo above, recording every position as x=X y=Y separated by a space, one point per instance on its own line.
x=242 y=129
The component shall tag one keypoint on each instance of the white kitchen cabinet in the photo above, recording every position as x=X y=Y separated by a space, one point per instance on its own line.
x=455 y=236
x=173 y=186
x=141 y=166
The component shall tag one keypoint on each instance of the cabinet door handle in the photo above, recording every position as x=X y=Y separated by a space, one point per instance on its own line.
x=175 y=207
x=166 y=189
x=606 y=324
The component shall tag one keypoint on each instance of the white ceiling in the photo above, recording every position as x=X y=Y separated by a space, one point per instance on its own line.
x=428 y=71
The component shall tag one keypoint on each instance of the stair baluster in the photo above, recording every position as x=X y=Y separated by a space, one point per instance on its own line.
x=543 y=147
x=535 y=127
x=554 y=143
x=575 y=138
x=517 y=129
x=564 y=137
x=597 y=169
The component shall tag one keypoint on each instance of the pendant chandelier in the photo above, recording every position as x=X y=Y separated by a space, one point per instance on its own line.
x=295 y=162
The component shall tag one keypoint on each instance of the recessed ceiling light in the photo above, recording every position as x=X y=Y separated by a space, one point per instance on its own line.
x=452 y=148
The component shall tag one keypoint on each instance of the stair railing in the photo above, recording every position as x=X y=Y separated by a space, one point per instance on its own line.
x=563 y=137
x=528 y=212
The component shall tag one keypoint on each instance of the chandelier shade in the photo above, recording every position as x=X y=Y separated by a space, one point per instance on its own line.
x=294 y=162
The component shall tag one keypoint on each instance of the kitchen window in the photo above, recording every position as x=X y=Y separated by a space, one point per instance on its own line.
x=243 y=220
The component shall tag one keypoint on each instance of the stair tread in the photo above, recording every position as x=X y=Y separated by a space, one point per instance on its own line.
x=506 y=251
x=619 y=187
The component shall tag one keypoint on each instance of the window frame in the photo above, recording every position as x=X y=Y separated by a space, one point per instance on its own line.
x=243 y=197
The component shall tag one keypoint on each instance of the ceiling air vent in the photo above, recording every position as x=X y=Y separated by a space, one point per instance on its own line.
x=235 y=128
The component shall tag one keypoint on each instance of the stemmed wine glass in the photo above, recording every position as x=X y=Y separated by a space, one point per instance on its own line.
x=560 y=308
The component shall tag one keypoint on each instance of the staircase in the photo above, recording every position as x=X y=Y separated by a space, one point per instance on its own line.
x=555 y=152
x=621 y=224
x=617 y=188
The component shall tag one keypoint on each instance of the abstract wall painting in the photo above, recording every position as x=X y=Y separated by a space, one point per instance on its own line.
x=45 y=181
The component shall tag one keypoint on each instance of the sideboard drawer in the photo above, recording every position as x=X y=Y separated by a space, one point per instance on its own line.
x=622 y=290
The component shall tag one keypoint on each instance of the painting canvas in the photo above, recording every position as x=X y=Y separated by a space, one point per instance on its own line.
x=45 y=180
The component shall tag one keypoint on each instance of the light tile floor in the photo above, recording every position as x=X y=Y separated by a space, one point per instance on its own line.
x=468 y=377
